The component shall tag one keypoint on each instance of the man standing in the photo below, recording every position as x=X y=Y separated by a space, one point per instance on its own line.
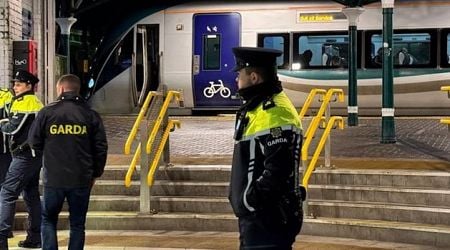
x=23 y=173
x=264 y=188
x=73 y=140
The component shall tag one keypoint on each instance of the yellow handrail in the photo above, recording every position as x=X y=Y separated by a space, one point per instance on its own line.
x=132 y=167
x=308 y=101
x=312 y=164
x=445 y=121
x=142 y=112
x=316 y=120
x=446 y=89
x=151 y=173
x=158 y=121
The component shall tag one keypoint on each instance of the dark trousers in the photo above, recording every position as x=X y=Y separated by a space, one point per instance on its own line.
x=5 y=161
x=269 y=231
x=22 y=177
x=53 y=199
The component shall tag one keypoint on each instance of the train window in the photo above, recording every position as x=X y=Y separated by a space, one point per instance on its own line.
x=445 y=51
x=211 y=53
x=411 y=49
x=278 y=41
x=320 y=50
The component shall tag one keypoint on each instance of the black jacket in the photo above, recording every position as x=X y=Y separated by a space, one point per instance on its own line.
x=73 y=140
x=266 y=154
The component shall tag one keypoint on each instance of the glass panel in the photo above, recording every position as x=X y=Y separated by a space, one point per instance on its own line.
x=211 y=53
x=448 y=49
x=322 y=50
x=275 y=42
x=409 y=49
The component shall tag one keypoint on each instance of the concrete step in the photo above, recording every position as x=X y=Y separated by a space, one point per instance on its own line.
x=159 y=203
x=163 y=188
x=379 y=211
x=113 y=220
x=386 y=178
x=176 y=172
x=410 y=196
x=402 y=232
x=412 y=233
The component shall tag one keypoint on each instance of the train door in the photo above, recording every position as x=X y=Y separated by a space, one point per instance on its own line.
x=145 y=62
x=214 y=84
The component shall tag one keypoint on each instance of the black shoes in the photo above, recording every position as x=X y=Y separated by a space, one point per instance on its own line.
x=29 y=244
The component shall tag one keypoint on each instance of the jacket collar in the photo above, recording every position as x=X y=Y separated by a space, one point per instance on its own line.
x=256 y=94
x=29 y=92
x=70 y=95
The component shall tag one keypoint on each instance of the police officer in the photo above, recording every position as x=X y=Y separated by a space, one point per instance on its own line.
x=5 y=157
x=264 y=190
x=23 y=173
x=73 y=141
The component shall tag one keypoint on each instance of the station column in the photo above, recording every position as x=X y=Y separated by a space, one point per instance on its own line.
x=387 y=111
x=352 y=109
x=65 y=23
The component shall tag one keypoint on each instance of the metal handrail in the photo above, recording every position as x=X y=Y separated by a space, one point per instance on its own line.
x=309 y=100
x=160 y=117
x=316 y=120
x=331 y=123
x=445 y=121
x=151 y=173
x=446 y=89
x=132 y=167
x=142 y=112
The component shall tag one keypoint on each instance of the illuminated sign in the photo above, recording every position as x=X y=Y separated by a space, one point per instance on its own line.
x=319 y=17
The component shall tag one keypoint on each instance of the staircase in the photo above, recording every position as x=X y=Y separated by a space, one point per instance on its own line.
x=385 y=205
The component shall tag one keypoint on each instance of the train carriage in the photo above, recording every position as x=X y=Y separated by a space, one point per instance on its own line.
x=188 y=48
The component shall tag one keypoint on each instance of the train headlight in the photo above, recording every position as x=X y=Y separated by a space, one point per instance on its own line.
x=296 y=66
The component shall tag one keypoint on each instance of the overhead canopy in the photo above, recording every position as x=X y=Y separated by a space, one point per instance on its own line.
x=355 y=3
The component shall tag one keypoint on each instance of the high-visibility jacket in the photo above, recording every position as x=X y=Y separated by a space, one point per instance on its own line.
x=5 y=102
x=265 y=168
x=23 y=111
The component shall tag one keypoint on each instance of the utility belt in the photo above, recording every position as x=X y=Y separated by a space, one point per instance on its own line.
x=21 y=149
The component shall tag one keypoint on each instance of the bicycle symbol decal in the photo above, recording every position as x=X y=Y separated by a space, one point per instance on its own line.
x=215 y=88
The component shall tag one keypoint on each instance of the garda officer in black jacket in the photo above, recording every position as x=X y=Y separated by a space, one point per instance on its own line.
x=264 y=189
x=73 y=140
x=23 y=174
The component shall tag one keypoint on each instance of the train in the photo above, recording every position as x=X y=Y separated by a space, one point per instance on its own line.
x=187 y=47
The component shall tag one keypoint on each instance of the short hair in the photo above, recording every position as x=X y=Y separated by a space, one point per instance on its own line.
x=267 y=74
x=70 y=82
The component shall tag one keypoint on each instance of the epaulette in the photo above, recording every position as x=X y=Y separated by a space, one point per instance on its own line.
x=268 y=103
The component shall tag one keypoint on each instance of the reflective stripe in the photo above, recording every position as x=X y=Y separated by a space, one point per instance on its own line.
x=387 y=111
x=352 y=109
x=250 y=175
x=18 y=127
x=293 y=128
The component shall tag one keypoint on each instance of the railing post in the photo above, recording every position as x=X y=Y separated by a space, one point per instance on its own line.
x=328 y=142
x=144 y=203
x=165 y=159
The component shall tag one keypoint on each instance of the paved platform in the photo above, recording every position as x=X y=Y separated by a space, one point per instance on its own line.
x=422 y=142
x=169 y=240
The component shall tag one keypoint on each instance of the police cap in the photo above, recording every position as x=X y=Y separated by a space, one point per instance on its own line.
x=255 y=57
x=25 y=76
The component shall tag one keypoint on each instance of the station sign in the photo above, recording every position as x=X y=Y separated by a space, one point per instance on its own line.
x=322 y=17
